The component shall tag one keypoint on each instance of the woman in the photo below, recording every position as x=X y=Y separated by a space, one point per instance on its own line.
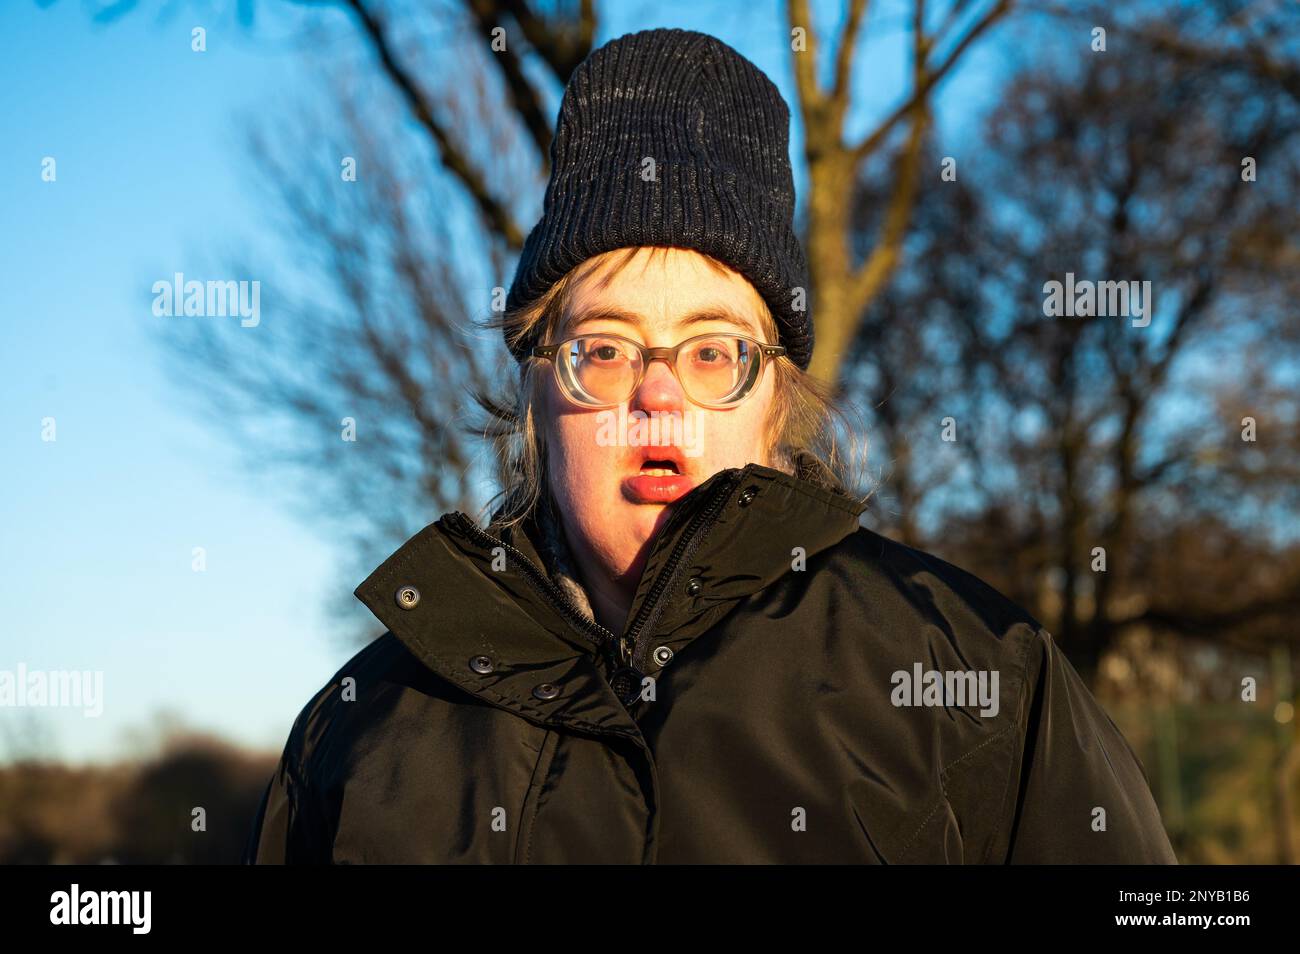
x=673 y=642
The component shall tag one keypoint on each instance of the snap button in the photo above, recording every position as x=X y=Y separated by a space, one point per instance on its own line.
x=546 y=691
x=693 y=586
x=481 y=664
x=747 y=495
x=663 y=655
x=408 y=597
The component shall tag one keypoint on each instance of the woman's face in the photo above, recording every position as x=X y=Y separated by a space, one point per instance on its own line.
x=601 y=464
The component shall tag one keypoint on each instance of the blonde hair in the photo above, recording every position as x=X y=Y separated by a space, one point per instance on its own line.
x=803 y=428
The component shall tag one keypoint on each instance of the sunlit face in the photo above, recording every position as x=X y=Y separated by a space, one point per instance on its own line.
x=602 y=464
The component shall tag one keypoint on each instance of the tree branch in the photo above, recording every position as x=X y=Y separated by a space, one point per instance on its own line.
x=929 y=80
x=523 y=97
x=871 y=277
x=562 y=48
x=844 y=54
x=494 y=212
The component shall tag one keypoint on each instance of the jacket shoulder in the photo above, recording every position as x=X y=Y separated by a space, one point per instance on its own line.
x=922 y=584
x=291 y=824
x=367 y=689
x=929 y=628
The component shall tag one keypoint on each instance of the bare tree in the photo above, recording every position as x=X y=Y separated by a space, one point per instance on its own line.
x=844 y=287
x=1079 y=439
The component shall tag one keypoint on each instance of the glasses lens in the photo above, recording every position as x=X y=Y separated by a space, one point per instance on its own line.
x=717 y=369
x=598 y=370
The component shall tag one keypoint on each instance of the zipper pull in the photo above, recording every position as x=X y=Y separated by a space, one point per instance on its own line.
x=623 y=678
x=626 y=683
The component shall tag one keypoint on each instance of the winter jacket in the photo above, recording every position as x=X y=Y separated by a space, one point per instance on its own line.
x=790 y=687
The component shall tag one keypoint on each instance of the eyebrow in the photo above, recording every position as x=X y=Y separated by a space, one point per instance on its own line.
x=722 y=313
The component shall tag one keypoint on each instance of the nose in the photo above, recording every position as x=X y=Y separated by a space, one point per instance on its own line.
x=659 y=389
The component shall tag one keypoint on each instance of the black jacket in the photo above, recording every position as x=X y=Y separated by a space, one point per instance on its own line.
x=777 y=665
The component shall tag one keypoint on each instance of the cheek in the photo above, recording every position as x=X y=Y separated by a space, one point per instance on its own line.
x=575 y=456
x=737 y=437
x=575 y=445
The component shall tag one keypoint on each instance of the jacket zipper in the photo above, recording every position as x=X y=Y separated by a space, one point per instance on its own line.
x=686 y=546
x=631 y=648
x=597 y=634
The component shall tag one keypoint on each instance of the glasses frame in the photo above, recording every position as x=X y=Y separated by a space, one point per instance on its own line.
x=762 y=350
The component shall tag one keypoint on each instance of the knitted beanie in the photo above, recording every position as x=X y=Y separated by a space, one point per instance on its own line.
x=671 y=137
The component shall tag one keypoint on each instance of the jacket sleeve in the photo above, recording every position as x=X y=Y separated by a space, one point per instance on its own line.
x=1083 y=793
x=285 y=829
x=268 y=842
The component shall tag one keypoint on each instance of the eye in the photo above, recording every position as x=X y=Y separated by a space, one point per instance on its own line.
x=605 y=351
x=713 y=351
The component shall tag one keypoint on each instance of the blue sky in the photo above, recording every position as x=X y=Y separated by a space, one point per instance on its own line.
x=99 y=525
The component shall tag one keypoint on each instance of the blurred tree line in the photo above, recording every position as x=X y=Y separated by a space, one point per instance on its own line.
x=137 y=811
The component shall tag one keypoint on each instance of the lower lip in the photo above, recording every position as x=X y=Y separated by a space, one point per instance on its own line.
x=661 y=490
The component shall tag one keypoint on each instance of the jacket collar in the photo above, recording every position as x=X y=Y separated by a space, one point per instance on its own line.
x=484 y=597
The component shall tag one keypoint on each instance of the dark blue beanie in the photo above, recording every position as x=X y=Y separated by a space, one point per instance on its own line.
x=718 y=131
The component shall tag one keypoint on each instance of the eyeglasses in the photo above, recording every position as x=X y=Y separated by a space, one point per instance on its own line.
x=599 y=370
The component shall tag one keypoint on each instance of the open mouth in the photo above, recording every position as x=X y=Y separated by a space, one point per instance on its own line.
x=660 y=479
x=659 y=467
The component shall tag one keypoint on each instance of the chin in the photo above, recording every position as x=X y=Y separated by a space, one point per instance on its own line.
x=639 y=521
